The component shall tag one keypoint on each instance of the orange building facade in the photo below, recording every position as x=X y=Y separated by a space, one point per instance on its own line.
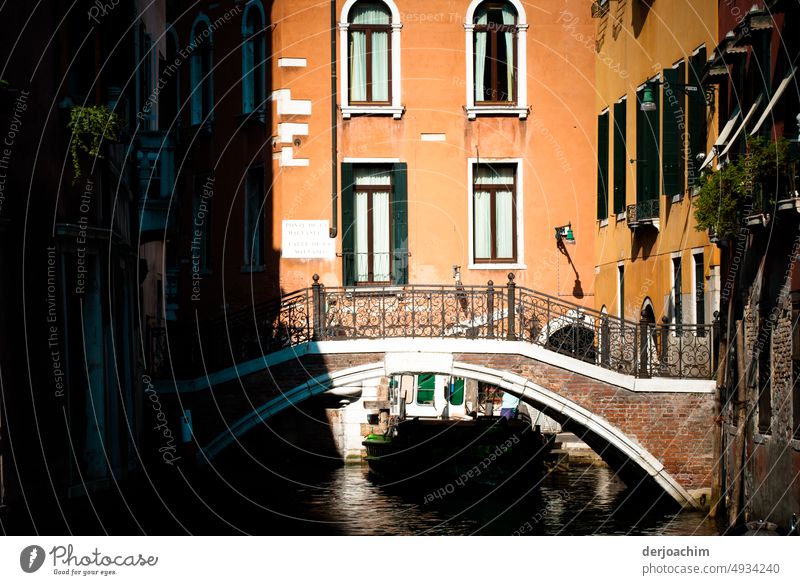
x=464 y=134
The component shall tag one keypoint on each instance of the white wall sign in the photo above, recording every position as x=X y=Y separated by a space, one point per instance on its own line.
x=307 y=239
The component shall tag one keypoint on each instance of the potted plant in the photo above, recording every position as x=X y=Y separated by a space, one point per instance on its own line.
x=744 y=190
x=90 y=125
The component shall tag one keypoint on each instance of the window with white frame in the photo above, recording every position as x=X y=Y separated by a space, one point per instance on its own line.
x=496 y=58
x=253 y=57
x=494 y=213
x=370 y=42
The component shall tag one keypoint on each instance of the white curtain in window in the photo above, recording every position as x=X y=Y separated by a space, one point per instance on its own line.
x=380 y=67
x=358 y=66
x=509 y=18
x=362 y=235
x=480 y=56
x=504 y=202
x=372 y=176
x=488 y=175
x=369 y=13
x=483 y=225
x=380 y=236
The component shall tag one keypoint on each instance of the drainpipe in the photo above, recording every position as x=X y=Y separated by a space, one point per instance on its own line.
x=334 y=131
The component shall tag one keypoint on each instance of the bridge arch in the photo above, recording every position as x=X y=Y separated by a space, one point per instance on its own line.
x=634 y=462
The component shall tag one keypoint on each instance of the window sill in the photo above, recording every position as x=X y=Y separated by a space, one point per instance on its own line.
x=250 y=269
x=677 y=198
x=604 y=223
x=620 y=217
x=497 y=110
x=498 y=266
x=348 y=111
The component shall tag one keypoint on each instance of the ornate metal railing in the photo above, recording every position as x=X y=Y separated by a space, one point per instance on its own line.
x=643 y=212
x=460 y=311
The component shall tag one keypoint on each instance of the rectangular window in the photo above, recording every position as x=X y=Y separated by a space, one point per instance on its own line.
x=201 y=223
x=495 y=53
x=253 y=228
x=620 y=155
x=602 y=166
x=372 y=191
x=621 y=291
x=456 y=391
x=677 y=291
x=426 y=388
x=648 y=160
x=699 y=289
x=375 y=223
x=672 y=148
x=494 y=213
x=369 y=54
x=697 y=119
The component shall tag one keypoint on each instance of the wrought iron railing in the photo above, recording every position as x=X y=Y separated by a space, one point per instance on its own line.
x=643 y=212
x=505 y=312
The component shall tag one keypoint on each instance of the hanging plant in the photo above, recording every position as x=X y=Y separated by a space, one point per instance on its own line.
x=752 y=181
x=90 y=125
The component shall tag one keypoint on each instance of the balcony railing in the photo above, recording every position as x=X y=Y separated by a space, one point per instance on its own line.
x=643 y=213
x=503 y=312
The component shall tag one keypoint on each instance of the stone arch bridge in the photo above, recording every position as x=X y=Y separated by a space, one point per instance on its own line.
x=641 y=393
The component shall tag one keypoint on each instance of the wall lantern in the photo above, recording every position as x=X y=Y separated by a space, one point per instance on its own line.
x=648 y=103
x=564 y=234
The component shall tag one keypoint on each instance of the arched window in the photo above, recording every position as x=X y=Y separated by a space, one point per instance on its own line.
x=253 y=56
x=200 y=71
x=496 y=58
x=370 y=60
x=169 y=69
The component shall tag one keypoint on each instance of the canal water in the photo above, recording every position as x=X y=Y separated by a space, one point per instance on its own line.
x=580 y=501
x=349 y=500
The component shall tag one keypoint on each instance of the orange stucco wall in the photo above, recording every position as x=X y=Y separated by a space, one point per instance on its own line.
x=555 y=143
x=635 y=42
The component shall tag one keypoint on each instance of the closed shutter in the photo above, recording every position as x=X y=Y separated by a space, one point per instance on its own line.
x=671 y=145
x=602 y=166
x=648 y=161
x=348 y=227
x=620 y=155
x=697 y=118
x=400 y=224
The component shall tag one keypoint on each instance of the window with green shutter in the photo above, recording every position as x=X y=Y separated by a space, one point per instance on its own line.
x=620 y=155
x=673 y=119
x=426 y=388
x=648 y=161
x=602 y=166
x=697 y=119
x=374 y=224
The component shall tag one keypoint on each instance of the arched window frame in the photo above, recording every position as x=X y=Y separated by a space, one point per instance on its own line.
x=394 y=108
x=253 y=90
x=201 y=80
x=520 y=105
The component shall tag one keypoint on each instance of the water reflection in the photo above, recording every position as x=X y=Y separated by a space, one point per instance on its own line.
x=580 y=501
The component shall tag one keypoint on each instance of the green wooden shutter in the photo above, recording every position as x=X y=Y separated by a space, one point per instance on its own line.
x=400 y=224
x=648 y=161
x=697 y=118
x=602 y=166
x=348 y=227
x=671 y=144
x=620 y=155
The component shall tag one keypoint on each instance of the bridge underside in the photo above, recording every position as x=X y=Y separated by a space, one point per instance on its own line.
x=654 y=433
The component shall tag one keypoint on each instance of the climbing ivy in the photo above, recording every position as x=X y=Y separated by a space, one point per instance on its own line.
x=726 y=193
x=90 y=125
